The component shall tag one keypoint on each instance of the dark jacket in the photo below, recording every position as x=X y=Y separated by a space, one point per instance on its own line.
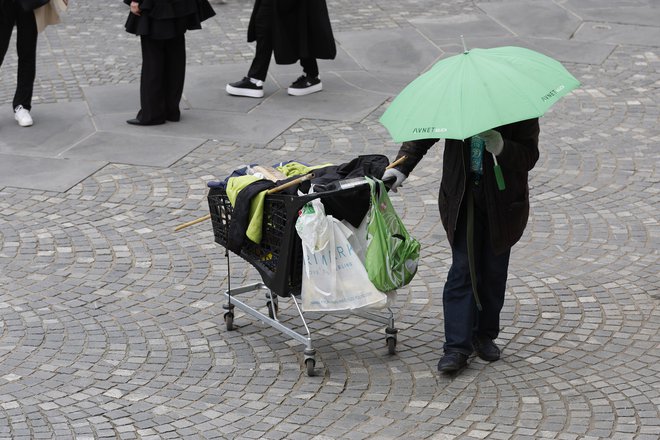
x=301 y=29
x=165 y=19
x=507 y=210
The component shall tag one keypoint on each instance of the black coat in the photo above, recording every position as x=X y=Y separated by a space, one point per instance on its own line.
x=301 y=29
x=165 y=19
x=507 y=210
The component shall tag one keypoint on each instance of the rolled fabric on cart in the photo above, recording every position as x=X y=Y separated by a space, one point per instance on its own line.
x=248 y=204
x=350 y=207
x=247 y=194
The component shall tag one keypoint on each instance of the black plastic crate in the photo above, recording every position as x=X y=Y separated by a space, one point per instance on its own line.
x=278 y=257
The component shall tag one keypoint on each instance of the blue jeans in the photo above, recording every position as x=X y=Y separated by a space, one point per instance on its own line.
x=462 y=319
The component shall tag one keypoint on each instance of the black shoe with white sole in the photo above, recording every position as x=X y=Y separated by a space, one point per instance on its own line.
x=246 y=87
x=305 y=85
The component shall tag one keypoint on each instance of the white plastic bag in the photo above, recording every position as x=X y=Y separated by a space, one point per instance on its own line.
x=312 y=225
x=333 y=276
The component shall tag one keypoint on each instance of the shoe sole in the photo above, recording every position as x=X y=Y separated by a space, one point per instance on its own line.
x=483 y=357
x=235 y=91
x=452 y=370
x=306 y=91
x=24 y=124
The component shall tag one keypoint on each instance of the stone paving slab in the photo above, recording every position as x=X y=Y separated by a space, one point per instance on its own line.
x=133 y=148
x=615 y=33
x=399 y=50
x=641 y=12
x=470 y=26
x=111 y=324
x=534 y=19
x=60 y=126
x=44 y=173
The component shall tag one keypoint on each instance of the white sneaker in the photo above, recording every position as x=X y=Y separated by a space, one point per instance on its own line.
x=23 y=117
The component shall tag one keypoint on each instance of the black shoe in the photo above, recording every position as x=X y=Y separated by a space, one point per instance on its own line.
x=246 y=87
x=136 y=121
x=304 y=86
x=486 y=349
x=452 y=361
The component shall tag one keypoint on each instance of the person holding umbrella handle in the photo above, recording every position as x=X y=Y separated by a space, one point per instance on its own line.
x=483 y=219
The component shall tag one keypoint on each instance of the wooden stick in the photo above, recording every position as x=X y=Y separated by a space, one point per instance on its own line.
x=193 y=222
x=290 y=183
x=396 y=162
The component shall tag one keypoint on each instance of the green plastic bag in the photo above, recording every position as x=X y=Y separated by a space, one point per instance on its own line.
x=392 y=254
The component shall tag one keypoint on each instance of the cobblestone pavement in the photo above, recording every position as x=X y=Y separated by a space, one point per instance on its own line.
x=111 y=325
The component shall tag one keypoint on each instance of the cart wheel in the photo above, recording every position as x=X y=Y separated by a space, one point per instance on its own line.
x=229 y=321
x=391 y=345
x=309 y=364
x=269 y=304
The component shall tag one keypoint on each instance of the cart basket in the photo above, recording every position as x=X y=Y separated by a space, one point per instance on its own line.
x=278 y=257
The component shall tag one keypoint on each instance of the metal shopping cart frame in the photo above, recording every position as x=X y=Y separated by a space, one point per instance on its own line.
x=278 y=258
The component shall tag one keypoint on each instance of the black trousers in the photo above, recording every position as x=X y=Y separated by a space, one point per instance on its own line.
x=264 y=33
x=163 y=75
x=26 y=48
x=463 y=321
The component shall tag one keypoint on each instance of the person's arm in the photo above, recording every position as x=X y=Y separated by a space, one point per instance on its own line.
x=414 y=152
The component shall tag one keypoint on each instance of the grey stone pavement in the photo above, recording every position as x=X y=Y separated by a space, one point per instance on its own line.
x=111 y=324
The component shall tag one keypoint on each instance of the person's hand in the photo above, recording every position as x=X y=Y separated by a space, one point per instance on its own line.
x=395 y=176
x=493 y=141
x=135 y=8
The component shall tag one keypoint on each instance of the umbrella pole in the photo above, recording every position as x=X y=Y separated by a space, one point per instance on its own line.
x=470 y=247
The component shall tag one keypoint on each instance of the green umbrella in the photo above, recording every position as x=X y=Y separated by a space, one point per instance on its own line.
x=472 y=92
x=475 y=91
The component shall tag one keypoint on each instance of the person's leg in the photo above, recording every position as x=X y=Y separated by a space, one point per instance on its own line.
x=264 y=34
x=6 y=28
x=152 y=92
x=26 y=48
x=253 y=84
x=175 y=70
x=457 y=297
x=493 y=276
x=310 y=67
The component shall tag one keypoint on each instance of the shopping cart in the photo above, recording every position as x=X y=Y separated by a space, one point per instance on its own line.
x=279 y=260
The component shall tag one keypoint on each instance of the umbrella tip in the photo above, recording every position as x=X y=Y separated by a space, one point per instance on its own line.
x=465 y=49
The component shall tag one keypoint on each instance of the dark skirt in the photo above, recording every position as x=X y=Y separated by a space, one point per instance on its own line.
x=165 y=19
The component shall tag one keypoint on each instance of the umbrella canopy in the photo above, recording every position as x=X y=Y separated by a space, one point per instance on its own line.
x=475 y=91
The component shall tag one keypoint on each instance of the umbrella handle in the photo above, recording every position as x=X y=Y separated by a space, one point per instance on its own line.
x=499 y=177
